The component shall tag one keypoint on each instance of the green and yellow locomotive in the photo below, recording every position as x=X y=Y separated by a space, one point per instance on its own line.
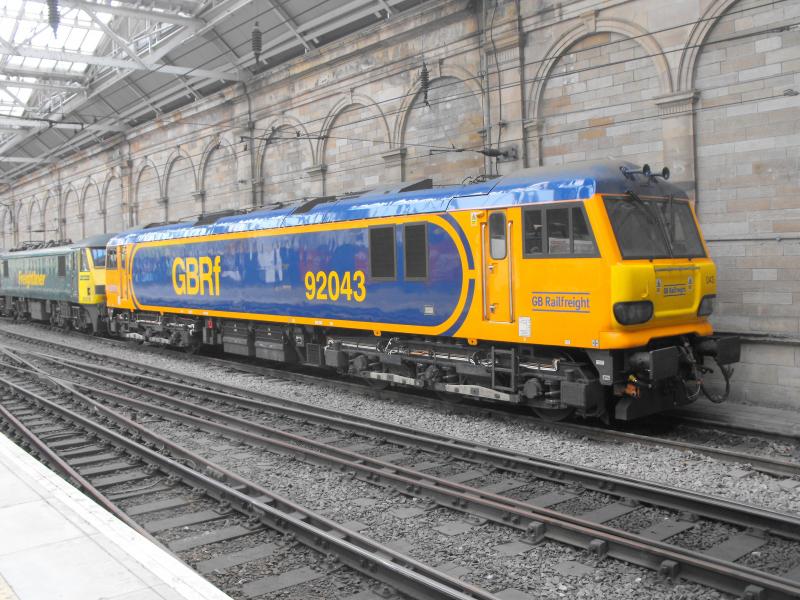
x=63 y=285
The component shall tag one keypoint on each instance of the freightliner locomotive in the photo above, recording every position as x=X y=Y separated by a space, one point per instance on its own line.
x=585 y=288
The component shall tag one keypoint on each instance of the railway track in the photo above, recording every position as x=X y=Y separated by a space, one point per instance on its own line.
x=772 y=466
x=539 y=499
x=165 y=491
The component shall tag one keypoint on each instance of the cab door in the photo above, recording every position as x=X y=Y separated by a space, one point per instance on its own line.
x=498 y=303
x=122 y=269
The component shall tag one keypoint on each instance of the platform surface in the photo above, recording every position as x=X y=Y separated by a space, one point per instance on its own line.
x=777 y=421
x=57 y=544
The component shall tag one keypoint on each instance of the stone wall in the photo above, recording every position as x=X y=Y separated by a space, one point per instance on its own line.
x=706 y=87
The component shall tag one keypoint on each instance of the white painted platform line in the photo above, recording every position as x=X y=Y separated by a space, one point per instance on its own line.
x=57 y=544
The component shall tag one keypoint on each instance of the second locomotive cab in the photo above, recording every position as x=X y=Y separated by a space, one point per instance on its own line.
x=581 y=288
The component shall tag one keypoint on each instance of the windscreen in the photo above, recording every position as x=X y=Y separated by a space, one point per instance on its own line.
x=99 y=258
x=654 y=228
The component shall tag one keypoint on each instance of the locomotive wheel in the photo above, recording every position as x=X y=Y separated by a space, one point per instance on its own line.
x=553 y=414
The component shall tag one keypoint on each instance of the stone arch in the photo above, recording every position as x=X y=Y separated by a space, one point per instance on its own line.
x=36 y=221
x=747 y=135
x=180 y=187
x=23 y=222
x=50 y=224
x=598 y=102
x=283 y=165
x=71 y=212
x=147 y=207
x=623 y=28
x=7 y=228
x=92 y=212
x=429 y=130
x=348 y=135
x=218 y=177
x=456 y=72
x=284 y=122
x=112 y=203
x=701 y=30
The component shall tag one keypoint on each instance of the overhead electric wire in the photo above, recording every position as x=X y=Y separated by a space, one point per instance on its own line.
x=549 y=77
x=530 y=63
x=213 y=190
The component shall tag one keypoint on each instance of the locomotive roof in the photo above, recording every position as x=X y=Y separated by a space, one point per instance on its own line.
x=543 y=184
x=95 y=241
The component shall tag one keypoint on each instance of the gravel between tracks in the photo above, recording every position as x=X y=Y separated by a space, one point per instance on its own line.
x=685 y=470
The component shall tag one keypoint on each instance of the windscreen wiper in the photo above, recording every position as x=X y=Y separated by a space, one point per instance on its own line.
x=653 y=218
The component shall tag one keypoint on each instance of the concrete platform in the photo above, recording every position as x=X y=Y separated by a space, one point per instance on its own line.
x=57 y=544
x=729 y=414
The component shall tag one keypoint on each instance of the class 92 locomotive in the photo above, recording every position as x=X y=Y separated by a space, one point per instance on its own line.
x=585 y=288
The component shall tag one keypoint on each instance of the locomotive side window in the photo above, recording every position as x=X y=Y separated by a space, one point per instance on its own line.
x=415 y=249
x=84 y=260
x=533 y=229
x=381 y=252
x=582 y=239
x=558 y=231
x=497 y=236
x=565 y=229
x=62 y=266
x=111 y=258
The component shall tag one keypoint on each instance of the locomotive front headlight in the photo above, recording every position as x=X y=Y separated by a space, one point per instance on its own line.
x=706 y=306
x=633 y=313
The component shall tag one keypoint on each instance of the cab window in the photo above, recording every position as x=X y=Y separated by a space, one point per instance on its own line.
x=497 y=236
x=111 y=258
x=84 y=266
x=99 y=257
x=557 y=231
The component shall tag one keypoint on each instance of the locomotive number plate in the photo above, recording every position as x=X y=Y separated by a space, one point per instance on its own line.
x=330 y=285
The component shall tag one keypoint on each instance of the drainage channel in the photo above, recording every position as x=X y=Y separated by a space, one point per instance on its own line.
x=152 y=477
x=469 y=466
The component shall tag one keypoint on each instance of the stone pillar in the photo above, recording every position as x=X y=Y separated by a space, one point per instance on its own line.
x=126 y=192
x=677 y=125
x=533 y=141
x=164 y=202
x=200 y=200
x=395 y=164
x=316 y=175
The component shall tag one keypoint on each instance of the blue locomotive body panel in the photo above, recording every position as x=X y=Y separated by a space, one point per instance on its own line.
x=271 y=273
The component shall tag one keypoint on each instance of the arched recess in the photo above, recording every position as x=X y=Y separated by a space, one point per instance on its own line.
x=112 y=203
x=24 y=221
x=91 y=214
x=284 y=161
x=73 y=224
x=597 y=102
x=453 y=117
x=7 y=228
x=218 y=178
x=355 y=135
x=148 y=207
x=180 y=185
x=747 y=131
x=50 y=218
x=624 y=29
x=35 y=225
x=694 y=45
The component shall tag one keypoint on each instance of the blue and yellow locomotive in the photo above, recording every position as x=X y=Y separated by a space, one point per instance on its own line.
x=582 y=288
